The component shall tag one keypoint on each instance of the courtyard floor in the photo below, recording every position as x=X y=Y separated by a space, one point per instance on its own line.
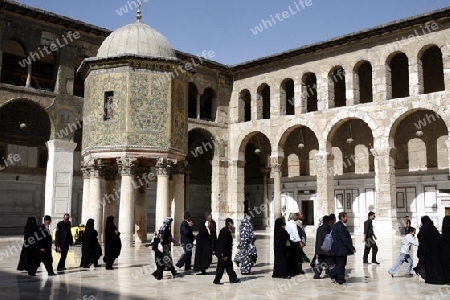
x=132 y=278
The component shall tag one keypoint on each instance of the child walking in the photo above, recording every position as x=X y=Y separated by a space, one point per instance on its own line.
x=407 y=241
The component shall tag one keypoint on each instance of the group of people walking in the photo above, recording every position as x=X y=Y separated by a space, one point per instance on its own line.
x=37 y=246
x=207 y=245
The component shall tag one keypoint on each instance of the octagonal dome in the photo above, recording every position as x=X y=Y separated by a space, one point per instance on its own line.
x=136 y=39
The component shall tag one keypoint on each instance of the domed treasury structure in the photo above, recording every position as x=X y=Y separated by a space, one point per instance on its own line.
x=134 y=129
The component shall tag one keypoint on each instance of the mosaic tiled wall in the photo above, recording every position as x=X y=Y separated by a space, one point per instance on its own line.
x=149 y=110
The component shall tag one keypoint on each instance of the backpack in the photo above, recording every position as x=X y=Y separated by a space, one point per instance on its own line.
x=327 y=242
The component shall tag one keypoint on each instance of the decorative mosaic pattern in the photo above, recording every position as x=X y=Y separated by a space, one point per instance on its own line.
x=179 y=117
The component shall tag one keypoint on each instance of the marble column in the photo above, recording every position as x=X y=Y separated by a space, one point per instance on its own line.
x=218 y=176
x=265 y=172
x=59 y=178
x=140 y=207
x=111 y=195
x=178 y=198
x=95 y=197
x=85 y=169
x=276 y=167
x=187 y=172
x=325 y=183
x=162 y=191
x=385 y=188
x=234 y=207
x=127 y=167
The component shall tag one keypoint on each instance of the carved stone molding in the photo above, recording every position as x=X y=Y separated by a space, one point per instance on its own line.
x=127 y=165
x=385 y=151
x=164 y=167
x=276 y=167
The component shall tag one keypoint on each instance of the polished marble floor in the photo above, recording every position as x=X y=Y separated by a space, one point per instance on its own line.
x=132 y=278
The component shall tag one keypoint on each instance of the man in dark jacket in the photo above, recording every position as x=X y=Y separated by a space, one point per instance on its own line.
x=43 y=248
x=341 y=247
x=224 y=249
x=324 y=260
x=187 y=242
x=63 y=240
x=370 y=240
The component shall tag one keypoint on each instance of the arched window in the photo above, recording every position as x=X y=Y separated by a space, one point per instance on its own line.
x=363 y=82
x=264 y=99
x=399 y=75
x=293 y=165
x=309 y=91
x=192 y=100
x=14 y=64
x=433 y=70
x=208 y=105
x=287 y=96
x=336 y=81
x=245 y=105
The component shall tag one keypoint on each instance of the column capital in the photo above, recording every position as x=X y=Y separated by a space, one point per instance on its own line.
x=324 y=155
x=383 y=151
x=61 y=145
x=109 y=171
x=180 y=167
x=127 y=165
x=276 y=167
x=163 y=167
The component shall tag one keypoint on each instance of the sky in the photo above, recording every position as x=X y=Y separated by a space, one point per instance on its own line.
x=228 y=27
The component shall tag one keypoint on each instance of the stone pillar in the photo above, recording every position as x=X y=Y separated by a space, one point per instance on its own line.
x=234 y=207
x=325 y=182
x=266 y=172
x=162 y=191
x=385 y=188
x=198 y=106
x=322 y=91
x=140 y=207
x=59 y=178
x=300 y=92
x=381 y=82
x=349 y=86
x=111 y=195
x=446 y=63
x=178 y=198
x=415 y=76
x=86 y=169
x=127 y=167
x=276 y=168
x=95 y=197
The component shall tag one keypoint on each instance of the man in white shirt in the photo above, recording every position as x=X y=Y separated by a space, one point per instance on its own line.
x=294 y=240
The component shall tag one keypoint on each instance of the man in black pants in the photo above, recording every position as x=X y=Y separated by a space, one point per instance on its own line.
x=224 y=248
x=341 y=247
x=63 y=240
x=370 y=240
x=187 y=242
x=43 y=248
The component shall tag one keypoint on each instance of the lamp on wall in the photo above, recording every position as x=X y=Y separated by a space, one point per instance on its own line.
x=349 y=133
x=419 y=131
x=258 y=147
x=301 y=143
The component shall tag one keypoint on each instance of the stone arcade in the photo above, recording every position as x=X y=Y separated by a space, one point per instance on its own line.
x=356 y=123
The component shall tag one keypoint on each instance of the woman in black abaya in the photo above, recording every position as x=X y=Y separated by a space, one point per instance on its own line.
x=429 y=253
x=445 y=248
x=90 y=248
x=161 y=245
x=28 y=249
x=281 y=237
x=203 y=250
x=113 y=245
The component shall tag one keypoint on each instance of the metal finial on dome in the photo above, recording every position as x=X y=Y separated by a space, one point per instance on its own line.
x=139 y=15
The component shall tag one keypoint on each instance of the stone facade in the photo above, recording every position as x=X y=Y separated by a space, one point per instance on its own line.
x=355 y=124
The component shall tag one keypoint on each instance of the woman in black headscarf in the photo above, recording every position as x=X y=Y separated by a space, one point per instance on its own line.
x=161 y=245
x=281 y=237
x=429 y=253
x=90 y=248
x=113 y=244
x=28 y=249
x=445 y=248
